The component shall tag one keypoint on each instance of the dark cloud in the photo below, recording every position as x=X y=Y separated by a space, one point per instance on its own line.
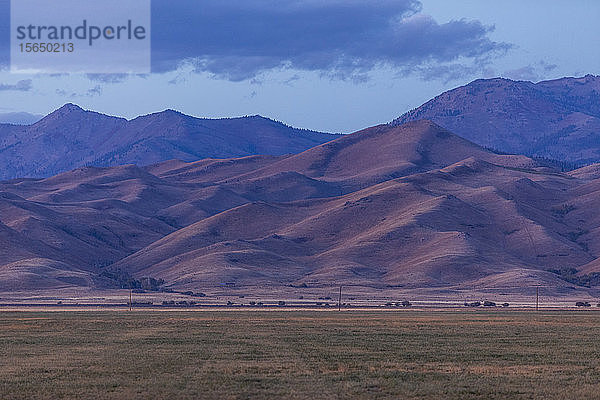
x=24 y=85
x=340 y=39
x=237 y=40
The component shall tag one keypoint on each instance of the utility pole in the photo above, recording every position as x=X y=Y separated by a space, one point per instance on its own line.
x=130 y=295
x=537 y=298
x=340 y=300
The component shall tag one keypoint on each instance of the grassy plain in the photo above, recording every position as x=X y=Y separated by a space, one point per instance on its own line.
x=420 y=354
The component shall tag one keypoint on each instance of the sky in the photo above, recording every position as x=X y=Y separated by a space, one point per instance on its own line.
x=328 y=65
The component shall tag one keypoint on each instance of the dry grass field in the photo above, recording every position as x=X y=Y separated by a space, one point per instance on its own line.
x=408 y=354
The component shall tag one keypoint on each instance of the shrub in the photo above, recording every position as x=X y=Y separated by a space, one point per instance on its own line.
x=570 y=275
x=406 y=303
x=562 y=209
x=151 y=284
x=141 y=303
x=281 y=303
x=583 y=304
x=489 y=304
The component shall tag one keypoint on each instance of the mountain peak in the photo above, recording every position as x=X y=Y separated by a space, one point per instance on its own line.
x=70 y=107
x=72 y=112
x=166 y=115
x=171 y=111
x=67 y=110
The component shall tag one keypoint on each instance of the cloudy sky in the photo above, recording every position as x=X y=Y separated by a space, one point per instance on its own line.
x=331 y=65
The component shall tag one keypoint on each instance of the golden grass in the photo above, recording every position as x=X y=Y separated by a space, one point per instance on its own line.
x=499 y=354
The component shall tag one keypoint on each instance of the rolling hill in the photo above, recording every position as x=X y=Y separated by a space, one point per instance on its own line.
x=412 y=206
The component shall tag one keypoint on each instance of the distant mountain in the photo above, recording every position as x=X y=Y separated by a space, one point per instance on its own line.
x=411 y=206
x=71 y=137
x=558 y=119
x=19 y=118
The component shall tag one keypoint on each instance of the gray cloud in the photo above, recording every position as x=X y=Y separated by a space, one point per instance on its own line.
x=24 y=85
x=95 y=91
x=448 y=72
x=107 y=78
x=527 y=73
x=532 y=72
x=342 y=39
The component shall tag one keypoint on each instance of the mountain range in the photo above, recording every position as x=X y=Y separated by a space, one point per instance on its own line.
x=71 y=137
x=557 y=119
x=190 y=203
x=19 y=118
